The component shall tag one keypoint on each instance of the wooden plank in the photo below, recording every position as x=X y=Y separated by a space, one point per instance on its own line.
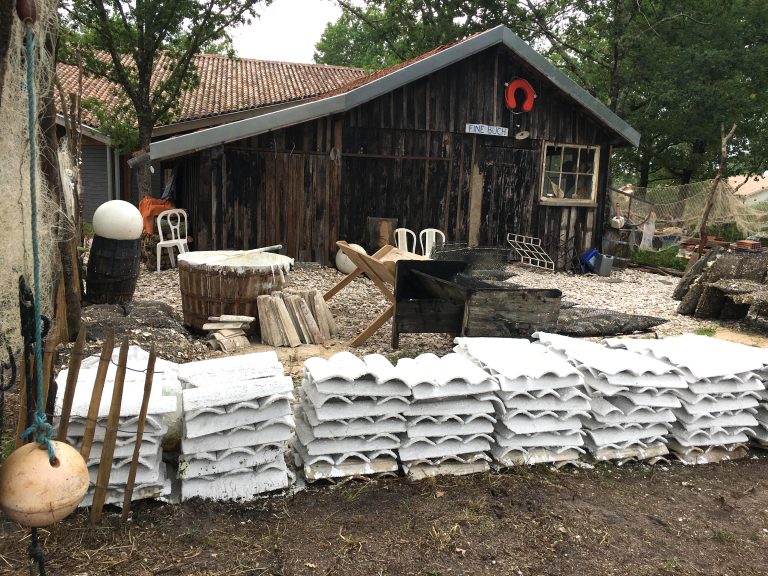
x=321 y=314
x=263 y=309
x=303 y=309
x=98 y=387
x=301 y=325
x=110 y=436
x=231 y=318
x=286 y=325
x=224 y=325
x=332 y=327
x=21 y=421
x=75 y=360
x=139 y=433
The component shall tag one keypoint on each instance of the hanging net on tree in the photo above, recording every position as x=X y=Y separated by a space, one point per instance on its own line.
x=679 y=209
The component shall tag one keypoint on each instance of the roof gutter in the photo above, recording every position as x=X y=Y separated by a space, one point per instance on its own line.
x=86 y=130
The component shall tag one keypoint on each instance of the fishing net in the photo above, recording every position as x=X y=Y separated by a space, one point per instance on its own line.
x=487 y=263
x=15 y=223
x=679 y=209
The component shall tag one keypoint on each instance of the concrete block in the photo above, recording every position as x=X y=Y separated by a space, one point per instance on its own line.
x=154 y=426
x=705 y=404
x=227 y=393
x=524 y=424
x=436 y=426
x=708 y=454
x=123 y=447
x=619 y=436
x=428 y=448
x=507 y=457
x=448 y=468
x=362 y=387
x=576 y=403
x=210 y=420
x=333 y=407
x=212 y=463
x=701 y=356
x=147 y=472
x=451 y=406
x=230 y=370
x=243 y=484
x=342 y=365
x=268 y=432
x=638 y=452
x=161 y=490
x=538 y=440
x=318 y=446
x=740 y=419
x=390 y=424
x=619 y=411
x=707 y=437
x=332 y=466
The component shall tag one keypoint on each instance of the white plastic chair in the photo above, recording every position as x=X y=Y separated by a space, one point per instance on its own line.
x=402 y=236
x=173 y=223
x=428 y=239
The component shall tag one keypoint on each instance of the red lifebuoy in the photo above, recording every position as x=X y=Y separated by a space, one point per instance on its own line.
x=530 y=95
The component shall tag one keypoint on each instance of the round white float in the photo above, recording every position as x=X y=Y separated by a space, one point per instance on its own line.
x=343 y=263
x=118 y=220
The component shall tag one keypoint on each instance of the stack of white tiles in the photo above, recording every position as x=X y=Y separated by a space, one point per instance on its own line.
x=451 y=416
x=718 y=406
x=349 y=416
x=237 y=422
x=541 y=401
x=632 y=399
x=151 y=478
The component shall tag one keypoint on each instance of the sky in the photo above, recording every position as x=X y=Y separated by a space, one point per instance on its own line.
x=287 y=30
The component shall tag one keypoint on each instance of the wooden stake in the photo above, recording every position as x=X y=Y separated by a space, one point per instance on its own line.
x=139 y=433
x=108 y=446
x=21 y=423
x=314 y=331
x=321 y=315
x=98 y=387
x=49 y=348
x=263 y=308
x=75 y=360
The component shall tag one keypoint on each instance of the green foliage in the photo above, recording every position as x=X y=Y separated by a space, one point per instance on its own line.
x=673 y=69
x=666 y=258
x=705 y=331
x=121 y=40
x=376 y=34
x=728 y=232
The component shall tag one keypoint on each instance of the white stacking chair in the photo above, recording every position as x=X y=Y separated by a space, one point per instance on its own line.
x=178 y=234
x=428 y=238
x=402 y=237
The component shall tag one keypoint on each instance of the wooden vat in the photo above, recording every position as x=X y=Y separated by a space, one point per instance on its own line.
x=227 y=282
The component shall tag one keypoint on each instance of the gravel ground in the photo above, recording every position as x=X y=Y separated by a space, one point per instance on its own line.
x=631 y=291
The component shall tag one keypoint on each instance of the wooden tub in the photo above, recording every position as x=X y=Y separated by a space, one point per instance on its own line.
x=227 y=282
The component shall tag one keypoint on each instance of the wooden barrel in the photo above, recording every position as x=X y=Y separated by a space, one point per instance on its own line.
x=227 y=282
x=113 y=267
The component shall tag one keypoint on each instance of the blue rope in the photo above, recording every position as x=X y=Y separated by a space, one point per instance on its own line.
x=40 y=430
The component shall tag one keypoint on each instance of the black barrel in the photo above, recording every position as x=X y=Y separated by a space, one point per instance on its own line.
x=113 y=268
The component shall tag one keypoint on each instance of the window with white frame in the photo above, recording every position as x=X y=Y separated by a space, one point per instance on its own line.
x=570 y=173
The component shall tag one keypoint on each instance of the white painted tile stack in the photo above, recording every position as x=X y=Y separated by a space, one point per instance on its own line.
x=632 y=398
x=237 y=421
x=718 y=406
x=759 y=433
x=541 y=399
x=451 y=417
x=151 y=477
x=349 y=416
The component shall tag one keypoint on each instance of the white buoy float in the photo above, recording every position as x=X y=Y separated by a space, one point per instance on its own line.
x=118 y=220
x=343 y=263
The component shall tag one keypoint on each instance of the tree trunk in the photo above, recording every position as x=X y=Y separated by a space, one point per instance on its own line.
x=645 y=171
x=144 y=175
x=721 y=172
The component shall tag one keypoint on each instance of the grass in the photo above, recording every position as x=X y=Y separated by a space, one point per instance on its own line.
x=443 y=537
x=666 y=258
x=723 y=536
x=9 y=445
x=705 y=331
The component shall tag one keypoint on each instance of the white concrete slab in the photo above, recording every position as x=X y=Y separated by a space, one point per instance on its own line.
x=212 y=463
x=318 y=446
x=227 y=393
x=244 y=484
x=208 y=421
x=437 y=426
x=507 y=457
x=230 y=370
x=450 y=406
x=388 y=424
x=522 y=424
x=539 y=440
x=424 y=448
x=268 y=432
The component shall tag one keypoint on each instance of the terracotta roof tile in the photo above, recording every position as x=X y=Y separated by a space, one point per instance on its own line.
x=226 y=85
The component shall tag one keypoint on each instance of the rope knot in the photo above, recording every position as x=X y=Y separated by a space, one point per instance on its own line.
x=42 y=432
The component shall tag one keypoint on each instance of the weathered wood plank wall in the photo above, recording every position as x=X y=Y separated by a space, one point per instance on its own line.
x=403 y=155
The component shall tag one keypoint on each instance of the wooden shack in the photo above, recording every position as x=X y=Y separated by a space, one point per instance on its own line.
x=478 y=138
